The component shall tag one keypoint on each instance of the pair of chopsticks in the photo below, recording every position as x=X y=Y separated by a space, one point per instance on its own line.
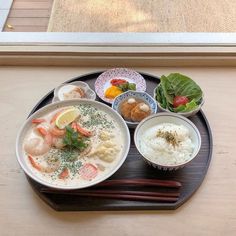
x=155 y=196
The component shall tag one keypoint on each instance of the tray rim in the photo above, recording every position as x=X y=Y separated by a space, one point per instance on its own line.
x=174 y=206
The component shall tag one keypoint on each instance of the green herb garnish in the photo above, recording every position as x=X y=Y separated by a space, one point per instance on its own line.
x=73 y=140
x=70 y=155
x=171 y=138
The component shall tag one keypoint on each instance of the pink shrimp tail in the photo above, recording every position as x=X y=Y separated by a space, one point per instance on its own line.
x=47 y=136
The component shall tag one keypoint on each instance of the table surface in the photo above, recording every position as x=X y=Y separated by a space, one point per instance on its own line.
x=211 y=211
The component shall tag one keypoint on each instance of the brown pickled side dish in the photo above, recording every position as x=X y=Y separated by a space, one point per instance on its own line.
x=133 y=109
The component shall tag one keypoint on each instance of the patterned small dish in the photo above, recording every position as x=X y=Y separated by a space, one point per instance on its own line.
x=173 y=118
x=145 y=97
x=65 y=88
x=103 y=81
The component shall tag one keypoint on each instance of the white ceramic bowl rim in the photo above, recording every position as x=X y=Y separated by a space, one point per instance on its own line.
x=44 y=109
x=74 y=83
x=178 y=117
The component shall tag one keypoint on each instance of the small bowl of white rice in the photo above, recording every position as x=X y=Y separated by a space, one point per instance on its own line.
x=167 y=141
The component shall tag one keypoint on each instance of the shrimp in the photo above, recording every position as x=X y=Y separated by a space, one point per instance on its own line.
x=57 y=142
x=57 y=132
x=56 y=115
x=36 y=146
x=53 y=129
x=39 y=145
x=83 y=131
x=64 y=174
x=38 y=121
x=77 y=128
x=46 y=135
x=46 y=164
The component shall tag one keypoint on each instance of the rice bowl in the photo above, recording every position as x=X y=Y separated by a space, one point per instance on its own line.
x=167 y=141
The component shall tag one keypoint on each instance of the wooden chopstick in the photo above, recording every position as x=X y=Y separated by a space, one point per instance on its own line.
x=120 y=195
x=122 y=192
x=140 y=182
x=141 y=193
x=125 y=194
x=130 y=197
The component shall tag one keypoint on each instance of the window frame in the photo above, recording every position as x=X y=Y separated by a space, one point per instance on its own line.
x=118 y=49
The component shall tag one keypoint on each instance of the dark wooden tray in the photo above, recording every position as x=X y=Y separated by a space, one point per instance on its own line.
x=190 y=176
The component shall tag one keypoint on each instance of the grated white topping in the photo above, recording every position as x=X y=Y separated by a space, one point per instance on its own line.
x=131 y=100
x=144 y=107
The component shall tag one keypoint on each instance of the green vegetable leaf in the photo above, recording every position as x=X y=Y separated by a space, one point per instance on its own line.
x=127 y=86
x=69 y=130
x=168 y=89
x=67 y=141
x=174 y=85
x=160 y=97
x=180 y=85
x=123 y=87
x=187 y=107
x=132 y=86
x=73 y=140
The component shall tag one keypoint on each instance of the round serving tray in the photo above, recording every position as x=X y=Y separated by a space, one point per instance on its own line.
x=191 y=176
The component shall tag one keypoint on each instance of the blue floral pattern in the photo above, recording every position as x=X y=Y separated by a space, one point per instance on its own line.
x=139 y=95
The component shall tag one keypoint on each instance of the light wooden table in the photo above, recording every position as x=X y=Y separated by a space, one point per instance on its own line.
x=211 y=211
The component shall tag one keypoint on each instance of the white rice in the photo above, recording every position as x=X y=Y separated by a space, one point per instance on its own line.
x=158 y=150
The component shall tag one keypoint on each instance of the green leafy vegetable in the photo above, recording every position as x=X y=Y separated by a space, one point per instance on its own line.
x=132 y=86
x=177 y=84
x=127 y=86
x=73 y=139
x=188 y=107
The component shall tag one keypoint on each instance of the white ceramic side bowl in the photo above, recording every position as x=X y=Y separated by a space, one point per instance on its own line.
x=65 y=88
x=165 y=117
x=142 y=96
x=185 y=114
x=21 y=157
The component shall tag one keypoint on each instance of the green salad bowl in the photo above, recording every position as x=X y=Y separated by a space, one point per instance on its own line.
x=185 y=114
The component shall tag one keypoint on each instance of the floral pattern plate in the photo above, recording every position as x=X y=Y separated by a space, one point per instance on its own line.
x=103 y=81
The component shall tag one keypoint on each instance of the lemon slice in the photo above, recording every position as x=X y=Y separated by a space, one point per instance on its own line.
x=66 y=117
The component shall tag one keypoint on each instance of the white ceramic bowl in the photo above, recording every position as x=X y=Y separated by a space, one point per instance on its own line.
x=143 y=96
x=65 y=88
x=185 y=114
x=21 y=157
x=165 y=117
